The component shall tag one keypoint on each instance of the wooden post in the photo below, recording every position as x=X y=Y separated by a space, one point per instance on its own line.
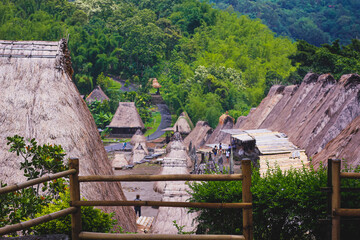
x=335 y=198
x=247 y=198
x=75 y=196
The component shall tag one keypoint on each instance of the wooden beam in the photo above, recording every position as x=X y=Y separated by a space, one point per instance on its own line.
x=36 y=221
x=350 y=175
x=105 y=236
x=346 y=212
x=150 y=178
x=247 y=198
x=36 y=181
x=335 y=198
x=162 y=204
x=75 y=196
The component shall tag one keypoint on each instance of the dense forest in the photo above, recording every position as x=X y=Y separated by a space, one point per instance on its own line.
x=208 y=60
x=315 y=21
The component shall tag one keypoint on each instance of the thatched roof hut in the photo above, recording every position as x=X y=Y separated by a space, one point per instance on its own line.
x=139 y=150
x=183 y=124
x=119 y=161
x=97 y=94
x=39 y=100
x=126 y=120
x=199 y=135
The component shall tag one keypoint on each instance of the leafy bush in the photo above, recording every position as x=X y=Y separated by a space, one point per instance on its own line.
x=92 y=219
x=286 y=205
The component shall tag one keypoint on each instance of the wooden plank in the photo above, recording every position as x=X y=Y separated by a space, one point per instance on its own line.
x=150 y=178
x=36 y=221
x=162 y=204
x=105 y=236
x=36 y=181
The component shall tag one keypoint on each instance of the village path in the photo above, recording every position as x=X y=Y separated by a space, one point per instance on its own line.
x=165 y=122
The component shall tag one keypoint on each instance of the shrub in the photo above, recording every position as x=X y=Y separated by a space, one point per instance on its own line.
x=92 y=219
x=286 y=205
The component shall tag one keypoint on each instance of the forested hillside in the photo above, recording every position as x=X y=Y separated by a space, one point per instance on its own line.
x=315 y=21
x=208 y=61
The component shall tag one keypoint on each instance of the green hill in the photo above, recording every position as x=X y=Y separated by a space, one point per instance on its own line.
x=315 y=21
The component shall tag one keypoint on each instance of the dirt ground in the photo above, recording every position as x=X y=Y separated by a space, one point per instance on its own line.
x=144 y=189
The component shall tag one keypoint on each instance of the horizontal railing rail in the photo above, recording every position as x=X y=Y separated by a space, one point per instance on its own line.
x=150 y=178
x=354 y=175
x=162 y=204
x=36 y=221
x=33 y=182
x=92 y=235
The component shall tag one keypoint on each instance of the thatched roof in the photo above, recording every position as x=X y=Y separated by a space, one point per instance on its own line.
x=119 y=161
x=199 y=135
x=225 y=122
x=39 y=100
x=183 y=124
x=140 y=149
x=126 y=116
x=155 y=83
x=97 y=94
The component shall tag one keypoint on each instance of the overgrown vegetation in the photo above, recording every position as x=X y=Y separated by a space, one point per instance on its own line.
x=287 y=205
x=316 y=22
x=42 y=199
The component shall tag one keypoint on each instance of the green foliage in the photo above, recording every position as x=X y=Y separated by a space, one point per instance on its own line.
x=335 y=58
x=287 y=205
x=92 y=219
x=101 y=113
x=316 y=22
x=37 y=161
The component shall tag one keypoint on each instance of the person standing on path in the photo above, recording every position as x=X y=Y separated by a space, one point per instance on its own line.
x=137 y=208
x=227 y=155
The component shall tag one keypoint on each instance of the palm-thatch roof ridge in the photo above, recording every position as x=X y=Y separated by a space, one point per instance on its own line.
x=126 y=116
x=39 y=100
x=97 y=94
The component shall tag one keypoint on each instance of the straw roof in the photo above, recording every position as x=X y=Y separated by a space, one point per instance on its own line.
x=126 y=116
x=225 y=122
x=183 y=124
x=155 y=83
x=119 y=161
x=39 y=100
x=139 y=150
x=199 y=135
x=97 y=94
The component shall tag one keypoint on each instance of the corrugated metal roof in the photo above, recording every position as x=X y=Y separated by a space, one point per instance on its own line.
x=268 y=142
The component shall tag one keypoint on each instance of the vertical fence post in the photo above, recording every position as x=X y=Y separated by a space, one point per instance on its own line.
x=247 y=198
x=75 y=196
x=335 y=198
x=329 y=198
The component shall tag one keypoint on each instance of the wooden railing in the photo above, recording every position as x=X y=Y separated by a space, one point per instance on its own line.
x=334 y=171
x=33 y=222
x=76 y=203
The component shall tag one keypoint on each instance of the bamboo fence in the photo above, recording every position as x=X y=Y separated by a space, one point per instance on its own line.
x=75 y=203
